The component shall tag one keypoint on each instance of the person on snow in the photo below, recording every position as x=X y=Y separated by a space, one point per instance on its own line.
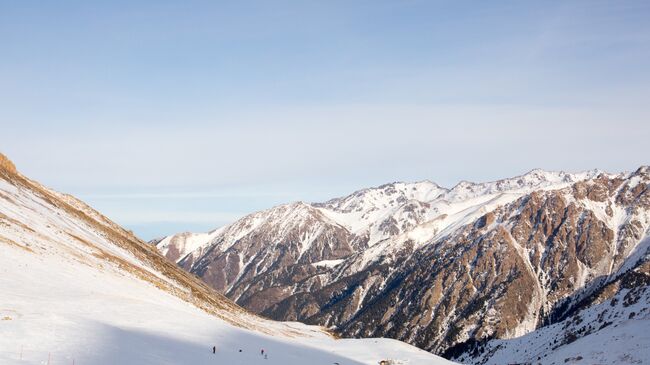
x=214 y=349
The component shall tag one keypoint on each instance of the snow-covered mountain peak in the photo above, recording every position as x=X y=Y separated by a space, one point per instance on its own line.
x=295 y=221
x=643 y=170
x=384 y=196
x=291 y=214
x=359 y=210
x=536 y=179
x=539 y=177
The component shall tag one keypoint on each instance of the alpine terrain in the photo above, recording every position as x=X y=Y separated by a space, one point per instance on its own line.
x=546 y=267
x=75 y=288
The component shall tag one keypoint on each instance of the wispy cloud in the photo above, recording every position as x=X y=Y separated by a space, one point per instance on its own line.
x=233 y=108
x=182 y=195
x=214 y=218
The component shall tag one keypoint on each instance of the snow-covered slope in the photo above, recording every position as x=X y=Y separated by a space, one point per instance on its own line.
x=76 y=288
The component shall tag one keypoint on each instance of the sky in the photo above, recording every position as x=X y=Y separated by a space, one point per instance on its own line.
x=173 y=116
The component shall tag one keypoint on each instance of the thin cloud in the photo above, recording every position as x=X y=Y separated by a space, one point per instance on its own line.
x=183 y=195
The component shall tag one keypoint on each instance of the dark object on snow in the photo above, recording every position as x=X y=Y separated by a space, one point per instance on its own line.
x=262 y=352
x=214 y=349
x=239 y=350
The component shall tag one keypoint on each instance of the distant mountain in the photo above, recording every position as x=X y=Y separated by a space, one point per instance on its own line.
x=443 y=269
x=77 y=288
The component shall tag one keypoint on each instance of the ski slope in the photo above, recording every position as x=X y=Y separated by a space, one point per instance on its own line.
x=69 y=311
x=77 y=289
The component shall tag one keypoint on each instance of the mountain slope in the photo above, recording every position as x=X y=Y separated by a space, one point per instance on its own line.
x=607 y=327
x=77 y=288
x=436 y=267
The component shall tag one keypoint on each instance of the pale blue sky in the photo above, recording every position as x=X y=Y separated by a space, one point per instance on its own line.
x=184 y=115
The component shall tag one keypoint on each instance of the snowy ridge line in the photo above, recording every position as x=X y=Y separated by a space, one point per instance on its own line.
x=361 y=210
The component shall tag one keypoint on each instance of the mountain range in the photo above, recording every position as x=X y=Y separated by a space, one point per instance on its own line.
x=476 y=272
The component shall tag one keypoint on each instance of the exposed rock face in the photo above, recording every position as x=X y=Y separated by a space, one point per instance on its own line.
x=432 y=266
x=607 y=326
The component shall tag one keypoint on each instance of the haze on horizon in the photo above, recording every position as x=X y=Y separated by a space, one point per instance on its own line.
x=172 y=116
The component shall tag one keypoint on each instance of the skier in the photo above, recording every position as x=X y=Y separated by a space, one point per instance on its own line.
x=262 y=352
x=214 y=349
